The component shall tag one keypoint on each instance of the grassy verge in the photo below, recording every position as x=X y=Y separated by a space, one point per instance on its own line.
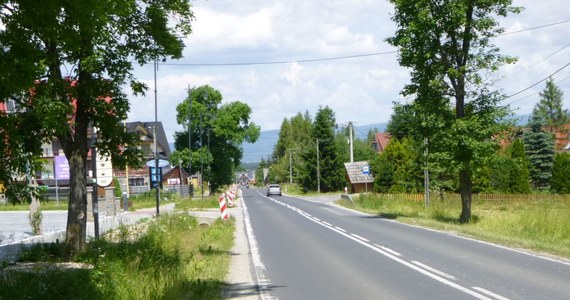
x=538 y=225
x=198 y=203
x=44 y=205
x=167 y=258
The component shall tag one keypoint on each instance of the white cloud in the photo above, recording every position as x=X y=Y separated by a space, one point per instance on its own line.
x=358 y=89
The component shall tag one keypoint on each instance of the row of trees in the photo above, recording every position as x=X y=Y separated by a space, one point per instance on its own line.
x=455 y=119
x=525 y=162
x=312 y=152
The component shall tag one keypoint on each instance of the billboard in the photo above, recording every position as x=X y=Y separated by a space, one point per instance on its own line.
x=61 y=168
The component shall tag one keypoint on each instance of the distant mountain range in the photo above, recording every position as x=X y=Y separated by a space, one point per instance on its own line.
x=253 y=153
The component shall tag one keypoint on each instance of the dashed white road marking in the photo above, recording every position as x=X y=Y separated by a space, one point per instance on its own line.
x=338 y=228
x=388 y=250
x=359 y=237
x=438 y=272
x=484 y=291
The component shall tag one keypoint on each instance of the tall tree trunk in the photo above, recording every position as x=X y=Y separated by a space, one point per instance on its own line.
x=465 y=188
x=77 y=209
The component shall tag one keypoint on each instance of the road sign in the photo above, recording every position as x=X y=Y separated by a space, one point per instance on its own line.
x=161 y=163
x=366 y=170
x=104 y=171
x=155 y=177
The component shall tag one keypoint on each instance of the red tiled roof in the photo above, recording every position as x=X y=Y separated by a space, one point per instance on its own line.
x=381 y=141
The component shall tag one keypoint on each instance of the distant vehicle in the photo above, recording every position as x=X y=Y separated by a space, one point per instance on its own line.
x=273 y=189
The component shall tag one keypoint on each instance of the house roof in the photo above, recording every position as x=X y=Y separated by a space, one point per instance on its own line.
x=562 y=137
x=354 y=172
x=381 y=140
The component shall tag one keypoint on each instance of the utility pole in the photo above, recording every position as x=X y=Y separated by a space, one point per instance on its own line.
x=202 y=154
x=155 y=148
x=290 y=169
x=190 y=183
x=426 y=174
x=318 y=170
x=350 y=142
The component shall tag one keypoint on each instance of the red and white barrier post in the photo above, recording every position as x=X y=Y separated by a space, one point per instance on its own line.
x=231 y=196
x=223 y=212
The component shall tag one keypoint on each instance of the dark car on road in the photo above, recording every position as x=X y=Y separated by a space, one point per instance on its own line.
x=273 y=189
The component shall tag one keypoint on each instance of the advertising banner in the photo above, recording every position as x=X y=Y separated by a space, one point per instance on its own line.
x=61 y=168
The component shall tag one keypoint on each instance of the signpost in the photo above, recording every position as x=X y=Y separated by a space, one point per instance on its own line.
x=104 y=171
x=366 y=171
x=156 y=177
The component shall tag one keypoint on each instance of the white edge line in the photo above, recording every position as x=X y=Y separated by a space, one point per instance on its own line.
x=263 y=281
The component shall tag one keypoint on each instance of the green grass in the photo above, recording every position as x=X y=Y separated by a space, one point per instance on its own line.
x=175 y=258
x=538 y=225
x=198 y=203
x=44 y=205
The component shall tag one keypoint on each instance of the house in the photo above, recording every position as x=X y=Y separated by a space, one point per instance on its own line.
x=359 y=177
x=380 y=141
x=139 y=179
x=562 y=137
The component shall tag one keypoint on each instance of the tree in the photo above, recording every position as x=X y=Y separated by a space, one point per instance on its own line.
x=395 y=170
x=519 y=180
x=560 y=182
x=402 y=123
x=322 y=161
x=96 y=43
x=550 y=108
x=447 y=45
x=539 y=148
x=294 y=138
x=218 y=131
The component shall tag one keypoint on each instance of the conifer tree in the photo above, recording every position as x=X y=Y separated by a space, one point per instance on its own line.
x=539 y=148
x=550 y=107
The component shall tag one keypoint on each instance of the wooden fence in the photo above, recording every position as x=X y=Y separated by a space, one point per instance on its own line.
x=480 y=197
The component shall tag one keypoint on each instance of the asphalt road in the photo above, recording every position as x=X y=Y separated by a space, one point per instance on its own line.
x=313 y=250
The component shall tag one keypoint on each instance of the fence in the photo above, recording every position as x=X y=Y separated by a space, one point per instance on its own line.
x=480 y=197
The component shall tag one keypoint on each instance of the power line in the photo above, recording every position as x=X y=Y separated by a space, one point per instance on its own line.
x=539 y=62
x=528 y=96
x=543 y=79
x=279 y=62
x=327 y=58
x=533 y=28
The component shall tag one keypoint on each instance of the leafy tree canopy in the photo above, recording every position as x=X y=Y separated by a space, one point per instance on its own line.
x=447 y=45
x=75 y=57
x=217 y=132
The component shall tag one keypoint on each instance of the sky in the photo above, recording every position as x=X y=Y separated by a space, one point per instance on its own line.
x=354 y=70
